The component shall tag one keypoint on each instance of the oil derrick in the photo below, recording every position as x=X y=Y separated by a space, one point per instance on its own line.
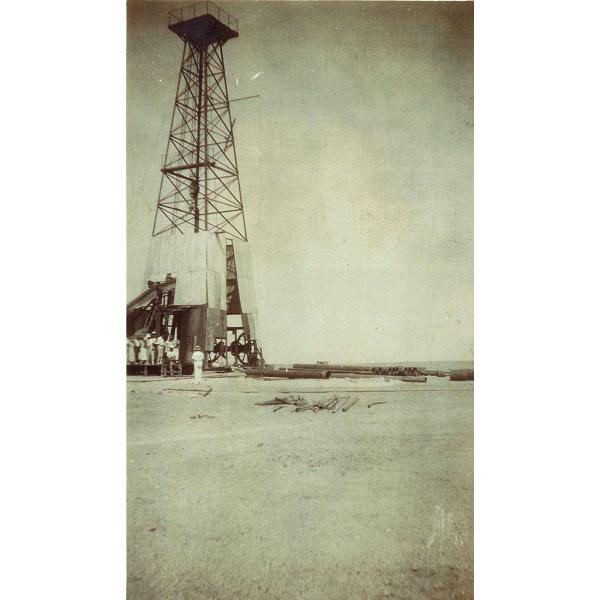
x=200 y=285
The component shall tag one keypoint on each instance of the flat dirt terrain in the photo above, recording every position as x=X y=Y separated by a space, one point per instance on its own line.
x=249 y=503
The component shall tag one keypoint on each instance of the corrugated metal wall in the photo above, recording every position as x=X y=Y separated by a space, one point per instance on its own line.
x=198 y=262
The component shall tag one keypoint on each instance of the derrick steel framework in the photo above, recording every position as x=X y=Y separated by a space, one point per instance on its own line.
x=200 y=186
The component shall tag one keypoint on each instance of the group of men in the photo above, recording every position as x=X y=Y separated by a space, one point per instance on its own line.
x=154 y=349
x=151 y=349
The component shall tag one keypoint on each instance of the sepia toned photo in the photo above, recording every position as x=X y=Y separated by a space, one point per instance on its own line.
x=299 y=321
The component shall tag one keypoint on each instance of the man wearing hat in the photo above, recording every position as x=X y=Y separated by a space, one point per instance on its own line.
x=151 y=348
x=198 y=360
x=160 y=349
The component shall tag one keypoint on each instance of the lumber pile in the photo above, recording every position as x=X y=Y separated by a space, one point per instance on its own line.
x=299 y=404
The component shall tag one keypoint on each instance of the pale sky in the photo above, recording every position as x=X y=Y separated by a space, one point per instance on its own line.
x=356 y=167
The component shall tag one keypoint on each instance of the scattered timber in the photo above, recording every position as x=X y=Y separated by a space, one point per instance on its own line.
x=375 y=403
x=299 y=404
x=203 y=392
x=340 y=404
x=349 y=405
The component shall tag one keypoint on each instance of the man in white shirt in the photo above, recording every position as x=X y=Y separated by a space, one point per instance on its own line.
x=137 y=343
x=168 y=347
x=160 y=347
x=198 y=360
x=151 y=348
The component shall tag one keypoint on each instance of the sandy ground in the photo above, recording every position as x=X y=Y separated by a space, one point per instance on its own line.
x=254 y=504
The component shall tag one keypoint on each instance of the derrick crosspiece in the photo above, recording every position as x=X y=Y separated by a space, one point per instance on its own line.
x=200 y=186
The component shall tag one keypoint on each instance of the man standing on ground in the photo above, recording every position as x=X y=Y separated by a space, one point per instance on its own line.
x=143 y=353
x=151 y=348
x=198 y=360
x=168 y=346
x=160 y=348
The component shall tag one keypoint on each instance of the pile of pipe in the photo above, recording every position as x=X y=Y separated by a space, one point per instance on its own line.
x=289 y=373
x=316 y=371
x=414 y=374
x=369 y=370
x=462 y=375
x=334 y=368
x=402 y=371
x=333 y=404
